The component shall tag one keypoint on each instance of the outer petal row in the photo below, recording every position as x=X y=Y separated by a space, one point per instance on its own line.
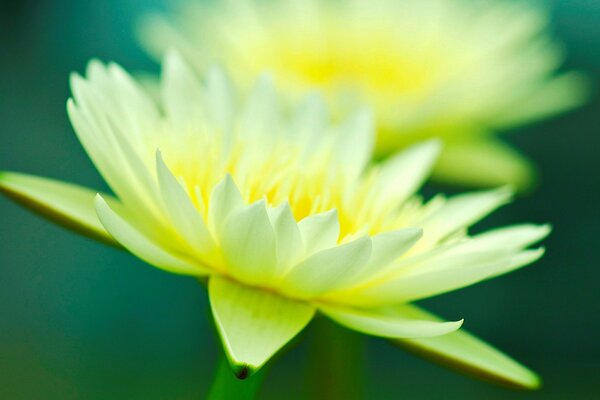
x=254 y=324
x=67 y=205
x=466 y=353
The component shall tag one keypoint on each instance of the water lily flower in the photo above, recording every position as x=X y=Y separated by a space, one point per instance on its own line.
x=456 y=69
x=277 y=211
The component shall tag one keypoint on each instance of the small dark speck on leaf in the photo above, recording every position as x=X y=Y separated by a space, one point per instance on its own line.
x=243 y=373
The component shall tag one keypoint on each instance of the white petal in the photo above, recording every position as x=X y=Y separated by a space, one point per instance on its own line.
x=328 y=269
x=248 y=244
x=220 y=98
x=386 y=324
x=181 y=94
x=224 y=199
x=443 y=273
x=309 y=121
x=402 y=175
x=254 y=324
x=387 y=248
x=260 y=117
x=320 y=231
x=355 y=142
x=287 y=235
x=514 y=237
x=186 y=219
x=138 y=244
x=109 y=147
x=460 y=212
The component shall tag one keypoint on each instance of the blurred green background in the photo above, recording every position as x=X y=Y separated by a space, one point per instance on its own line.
x=82 y=321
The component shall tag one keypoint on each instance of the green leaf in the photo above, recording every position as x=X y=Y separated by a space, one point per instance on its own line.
x=484 y=163
x=254 y=323
x=466 y=353
x=65 y=204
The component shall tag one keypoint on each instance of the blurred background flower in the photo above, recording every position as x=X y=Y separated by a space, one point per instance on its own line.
x=460 y=70
x=79 y=321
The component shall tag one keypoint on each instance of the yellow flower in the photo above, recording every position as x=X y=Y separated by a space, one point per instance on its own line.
x=452 y=69
x=277 y=210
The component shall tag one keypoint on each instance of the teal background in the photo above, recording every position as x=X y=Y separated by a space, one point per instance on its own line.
x=82 y=321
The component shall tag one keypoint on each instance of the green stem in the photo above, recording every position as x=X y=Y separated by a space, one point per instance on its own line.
x=226 y=386
x=337 y=362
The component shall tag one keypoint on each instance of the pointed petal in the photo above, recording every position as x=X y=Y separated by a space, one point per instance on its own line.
x=219 y=98
x=185 y=217
x=65 y=204
x=355 y=142
x=389 y=246
x=443 y=273
x=287 y=235
x=181 y=93
x=510 y=238
x=248 y=244
x=561 y=93
x=460 y=212
x=320 y=231
x=466 y=353
x=328 y=269
x=254 y=324
x=224 y=199
x=141 y=246
x=261 y=115
x=402 y=175
x=484 y=163
x=156 y=34
x=110 y=133
x=386 y=324
x=308 y=121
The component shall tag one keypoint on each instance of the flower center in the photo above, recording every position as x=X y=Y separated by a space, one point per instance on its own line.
x=279 y=174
